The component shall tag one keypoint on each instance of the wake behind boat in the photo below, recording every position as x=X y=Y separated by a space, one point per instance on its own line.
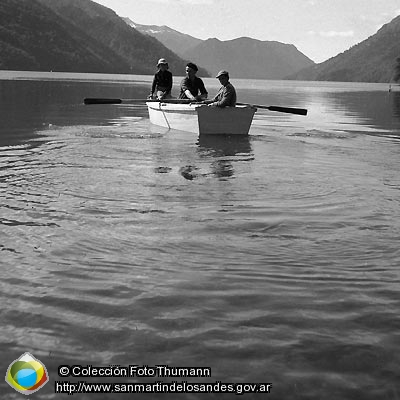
x=202 y=119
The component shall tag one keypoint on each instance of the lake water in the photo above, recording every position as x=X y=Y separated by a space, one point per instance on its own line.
x=269 y=259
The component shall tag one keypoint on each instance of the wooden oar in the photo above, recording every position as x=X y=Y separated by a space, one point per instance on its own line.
x=97 y=100
x=289 y=110
x=100 y=100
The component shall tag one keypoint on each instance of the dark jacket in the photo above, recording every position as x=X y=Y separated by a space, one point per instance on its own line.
x=226 y=96
x=194 y=87
x=162 y=81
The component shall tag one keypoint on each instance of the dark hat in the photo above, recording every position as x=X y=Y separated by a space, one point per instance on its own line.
x=192 y=65
x=222 y=72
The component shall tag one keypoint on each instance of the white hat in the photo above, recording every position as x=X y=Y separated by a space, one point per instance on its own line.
x=162 y=61
x=222 y=72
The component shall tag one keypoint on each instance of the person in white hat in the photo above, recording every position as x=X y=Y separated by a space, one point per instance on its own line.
x=226 y=96
x=162 y=82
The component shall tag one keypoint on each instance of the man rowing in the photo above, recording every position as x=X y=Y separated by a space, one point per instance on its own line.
x=226 y=96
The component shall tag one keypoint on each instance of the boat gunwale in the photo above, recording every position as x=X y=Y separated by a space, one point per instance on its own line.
x=173 y=107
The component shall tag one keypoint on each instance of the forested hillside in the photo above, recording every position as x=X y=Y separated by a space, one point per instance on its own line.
x=104 y=25
x=373 y=60
x=32 y=37
x=76 y=36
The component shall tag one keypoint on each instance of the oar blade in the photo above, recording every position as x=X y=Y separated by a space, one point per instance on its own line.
x=101 y=101
x=289 y=110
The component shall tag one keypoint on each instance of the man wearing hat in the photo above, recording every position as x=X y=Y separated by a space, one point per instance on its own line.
x=162 y=82
x=226 y=96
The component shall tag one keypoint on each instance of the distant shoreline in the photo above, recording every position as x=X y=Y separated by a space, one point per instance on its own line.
x=147 y=79
x=73 y=76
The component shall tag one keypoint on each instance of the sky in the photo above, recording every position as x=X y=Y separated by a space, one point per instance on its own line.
x=320 y=29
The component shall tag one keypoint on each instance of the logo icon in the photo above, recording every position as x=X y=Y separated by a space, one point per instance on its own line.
x=27 y=374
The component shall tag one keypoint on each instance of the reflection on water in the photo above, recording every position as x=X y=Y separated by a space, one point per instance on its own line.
x=225 y=151
x=28 y=106
x=222 y=145
x=395 y=96
x=349 y=107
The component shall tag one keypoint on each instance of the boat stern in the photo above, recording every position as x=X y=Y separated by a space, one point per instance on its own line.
x=225 y=121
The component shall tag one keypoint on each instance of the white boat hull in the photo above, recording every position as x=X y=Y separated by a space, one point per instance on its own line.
x=202 y=119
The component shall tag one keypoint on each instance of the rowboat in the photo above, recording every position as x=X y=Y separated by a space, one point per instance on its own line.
x=202 y=119
x=199 y=118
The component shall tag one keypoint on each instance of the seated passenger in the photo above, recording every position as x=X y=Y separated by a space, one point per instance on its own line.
x=192 y=87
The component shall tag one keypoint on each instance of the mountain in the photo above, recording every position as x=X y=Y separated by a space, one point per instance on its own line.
x=83 y=36
x=176 y=41
x=372 y=60
x=107 y=28
x=269 y=60
x=249 y=58
x=76 y=36
x=32 y=37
